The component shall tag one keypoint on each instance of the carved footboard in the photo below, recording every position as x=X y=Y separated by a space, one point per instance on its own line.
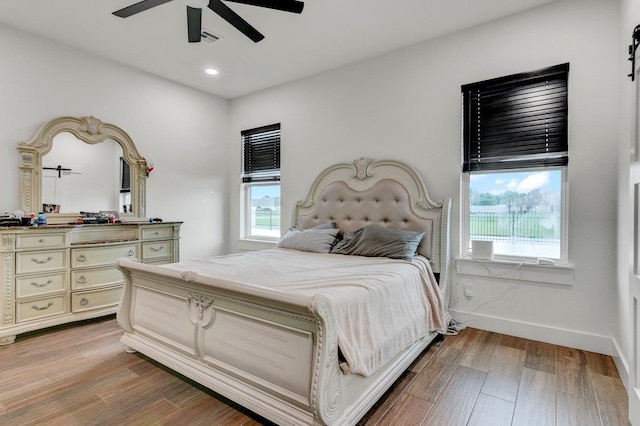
x=276 y=356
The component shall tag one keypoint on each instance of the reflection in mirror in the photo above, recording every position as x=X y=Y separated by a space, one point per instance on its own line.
x=80 y=177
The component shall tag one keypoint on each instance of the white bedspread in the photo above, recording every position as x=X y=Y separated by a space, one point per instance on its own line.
x=381 y=305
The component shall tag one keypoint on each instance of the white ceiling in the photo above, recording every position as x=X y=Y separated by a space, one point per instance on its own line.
x=328 y=34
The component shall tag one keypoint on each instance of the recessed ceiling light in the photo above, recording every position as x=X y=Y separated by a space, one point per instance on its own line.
x=211 y=71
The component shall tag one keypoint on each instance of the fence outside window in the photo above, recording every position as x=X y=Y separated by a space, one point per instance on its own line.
x=534 y=234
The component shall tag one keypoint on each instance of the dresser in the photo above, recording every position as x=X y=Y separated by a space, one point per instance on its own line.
x=56 y=274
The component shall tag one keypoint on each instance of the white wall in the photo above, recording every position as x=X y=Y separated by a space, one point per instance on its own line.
x=182 y=130
x=406 y=105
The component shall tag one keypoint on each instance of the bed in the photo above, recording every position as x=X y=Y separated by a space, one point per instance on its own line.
x=281 y=349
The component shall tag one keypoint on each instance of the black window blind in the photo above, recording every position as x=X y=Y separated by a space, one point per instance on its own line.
x=261 y=154
x=518 y=121
x=125 y=176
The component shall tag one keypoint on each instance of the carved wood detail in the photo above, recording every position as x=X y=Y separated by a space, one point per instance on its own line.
x=362 y=168
x=326 y=390
x=7 y=309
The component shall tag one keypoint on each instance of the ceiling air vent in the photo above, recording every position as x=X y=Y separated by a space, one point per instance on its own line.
x=209 y=37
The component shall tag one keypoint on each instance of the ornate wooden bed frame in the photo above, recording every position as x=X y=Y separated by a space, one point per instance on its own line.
x=287 y=370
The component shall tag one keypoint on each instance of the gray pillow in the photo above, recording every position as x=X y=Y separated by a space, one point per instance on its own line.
x=326 y=225
x=317 y=240
x=376 y=241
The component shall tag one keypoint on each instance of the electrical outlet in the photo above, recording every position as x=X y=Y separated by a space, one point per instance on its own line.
x=468 y=291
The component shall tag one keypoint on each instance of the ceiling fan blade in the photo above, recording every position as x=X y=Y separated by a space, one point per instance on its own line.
x=234 y=19
x=194 y=24
x=293 y=6
x=139 y=7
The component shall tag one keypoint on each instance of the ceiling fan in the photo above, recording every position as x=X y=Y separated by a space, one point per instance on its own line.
x=194 y=13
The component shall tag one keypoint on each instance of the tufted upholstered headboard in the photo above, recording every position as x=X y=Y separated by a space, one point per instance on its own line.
x=384 y=192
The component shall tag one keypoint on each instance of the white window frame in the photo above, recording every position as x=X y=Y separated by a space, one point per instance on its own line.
x=246 y=209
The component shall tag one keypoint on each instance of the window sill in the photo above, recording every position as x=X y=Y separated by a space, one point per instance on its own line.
x=518 y=271
x=255 y=244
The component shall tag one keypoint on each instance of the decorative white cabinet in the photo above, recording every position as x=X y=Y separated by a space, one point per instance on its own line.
x=57 y=274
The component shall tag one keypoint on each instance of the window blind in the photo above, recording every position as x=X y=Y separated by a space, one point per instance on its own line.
x=518 y=121
x=261 y=154
x=125 y=176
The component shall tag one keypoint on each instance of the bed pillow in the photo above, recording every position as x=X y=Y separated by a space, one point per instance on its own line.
x=327 y=225
x=316 y=240
x=376 y=241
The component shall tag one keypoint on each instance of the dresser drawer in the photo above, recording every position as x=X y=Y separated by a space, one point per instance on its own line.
x=153 y=250
x=39 y=241
x=87 y=300
x=99 y=256
x=41 y=284
x=41 y=308
x=99 y=277
x=157 y=231
x=41 y=261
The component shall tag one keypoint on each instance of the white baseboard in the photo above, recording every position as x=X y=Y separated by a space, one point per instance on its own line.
x=543 y=333
x=620 y=359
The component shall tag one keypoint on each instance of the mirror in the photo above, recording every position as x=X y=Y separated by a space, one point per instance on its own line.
x=72 y=170
x=78 y=164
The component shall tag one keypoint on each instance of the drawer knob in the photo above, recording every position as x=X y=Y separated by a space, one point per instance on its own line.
x=82 y=258
x=41 y=240
x=40 y=285
x=41 y=308
x=156 y=249
x=84 y=301
x=82 y=279
x=131 y=252
x=41 y=261
x=157 y=233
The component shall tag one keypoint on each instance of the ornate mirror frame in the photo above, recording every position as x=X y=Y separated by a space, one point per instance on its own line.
x=87 y=129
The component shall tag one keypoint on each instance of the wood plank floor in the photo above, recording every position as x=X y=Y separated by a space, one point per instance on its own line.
x=80 y=375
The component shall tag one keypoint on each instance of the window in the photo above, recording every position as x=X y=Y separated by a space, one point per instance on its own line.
x=261 y=181
x=125 y=186
x=125 y=176
x=515 y=156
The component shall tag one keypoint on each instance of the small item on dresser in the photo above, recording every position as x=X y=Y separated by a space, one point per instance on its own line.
x=7 y=219
x=154 y=219
x=51 y=208
x=25 y=220
x=42 y=219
